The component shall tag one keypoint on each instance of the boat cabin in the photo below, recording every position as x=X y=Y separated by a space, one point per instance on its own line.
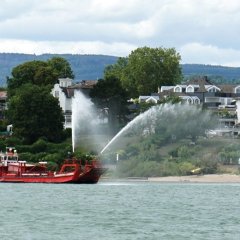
x=10 y=156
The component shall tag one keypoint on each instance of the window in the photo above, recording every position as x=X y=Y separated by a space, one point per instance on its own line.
x=68 y=119
x=190 y=89
x=197 y=101
x=177 y=89
x=56 y=94
x=213 y=89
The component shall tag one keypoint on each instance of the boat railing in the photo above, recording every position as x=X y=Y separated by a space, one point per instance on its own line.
x=93 y=162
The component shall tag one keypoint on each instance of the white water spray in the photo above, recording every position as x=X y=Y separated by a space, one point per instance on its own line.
x=148 y=116
x=238 y=110
x=175 y=115
x=83 y=116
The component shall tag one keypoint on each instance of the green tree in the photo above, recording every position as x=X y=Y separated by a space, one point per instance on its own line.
x=35 y=113
x=116 y=70
x=38 y=73
x=61 y=67
x=146 y=69
x=109 y=94
x=22 y=74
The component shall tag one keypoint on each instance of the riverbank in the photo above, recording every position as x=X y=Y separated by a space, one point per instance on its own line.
x=209 y=178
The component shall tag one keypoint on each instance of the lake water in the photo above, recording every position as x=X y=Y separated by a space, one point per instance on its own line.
x=120 y=211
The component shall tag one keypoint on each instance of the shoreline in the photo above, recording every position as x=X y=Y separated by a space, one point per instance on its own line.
x=208 y=178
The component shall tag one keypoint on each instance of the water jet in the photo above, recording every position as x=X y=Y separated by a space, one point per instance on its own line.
x=84 y=118
x=179 y=116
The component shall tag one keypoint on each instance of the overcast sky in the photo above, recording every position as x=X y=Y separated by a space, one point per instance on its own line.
x=202 y=31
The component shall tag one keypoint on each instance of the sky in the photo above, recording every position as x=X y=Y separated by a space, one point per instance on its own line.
x=201 y=31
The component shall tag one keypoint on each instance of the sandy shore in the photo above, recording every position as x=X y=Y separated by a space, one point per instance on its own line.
x=211 y=178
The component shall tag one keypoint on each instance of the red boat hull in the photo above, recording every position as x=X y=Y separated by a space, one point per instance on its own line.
x=90 y=173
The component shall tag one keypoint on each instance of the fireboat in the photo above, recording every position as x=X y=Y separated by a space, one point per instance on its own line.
x=73 y=170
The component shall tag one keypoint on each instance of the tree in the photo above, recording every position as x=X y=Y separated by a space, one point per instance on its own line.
x=35 y=113
x=22 y=74
x=39 y=73
x=116 y=70
x=61 y=67
x=146 y=69
x=109 y=94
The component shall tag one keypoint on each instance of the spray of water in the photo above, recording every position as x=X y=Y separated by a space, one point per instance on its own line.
x=148 y=115
x=86 y=122
x=178 y=116
x=238 y=110
x=84 y=118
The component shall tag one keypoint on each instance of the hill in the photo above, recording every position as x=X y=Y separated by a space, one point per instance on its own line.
x=85 y=67
x=218 y=74
x=91 y=67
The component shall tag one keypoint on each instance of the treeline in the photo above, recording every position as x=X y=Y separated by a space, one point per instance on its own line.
x=227 y=72
x=85 y=67
x=91 y=67
x=216 y=74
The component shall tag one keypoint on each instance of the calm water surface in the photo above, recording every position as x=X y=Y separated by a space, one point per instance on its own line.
x=120 y=211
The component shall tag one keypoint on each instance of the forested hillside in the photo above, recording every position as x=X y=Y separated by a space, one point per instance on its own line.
x=218 y=74
x=85 y=67
x=91 y=67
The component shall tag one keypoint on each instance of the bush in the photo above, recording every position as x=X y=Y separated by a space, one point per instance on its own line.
x=3 y=125
x=39 y=146
x=54 y=158
x=67 y=133
x=13 y=141
x=26 y=157
x=185 y=168
x=184 y=152
x=208 y=163
x=168 y=168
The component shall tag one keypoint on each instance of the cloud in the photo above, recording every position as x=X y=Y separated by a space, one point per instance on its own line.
x=208 y=54
x=114 y=26
x=80 y=20
x=39 y=47
x=11 y=9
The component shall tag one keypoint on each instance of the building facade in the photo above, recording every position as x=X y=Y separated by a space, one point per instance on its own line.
x=64 y=90
x=222 y=99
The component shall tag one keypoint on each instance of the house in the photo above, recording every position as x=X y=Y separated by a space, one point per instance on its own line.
x=148 y=99
x=64 y=91
x=84 y=86
x=219 y=98
x=201 y=90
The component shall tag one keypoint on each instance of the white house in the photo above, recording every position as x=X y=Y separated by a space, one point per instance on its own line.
x=222 y=99
x=61 y=91
x=201 y=90
x=190 y=99
x=148 y=99
x=64 y=91
x=64 y=94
